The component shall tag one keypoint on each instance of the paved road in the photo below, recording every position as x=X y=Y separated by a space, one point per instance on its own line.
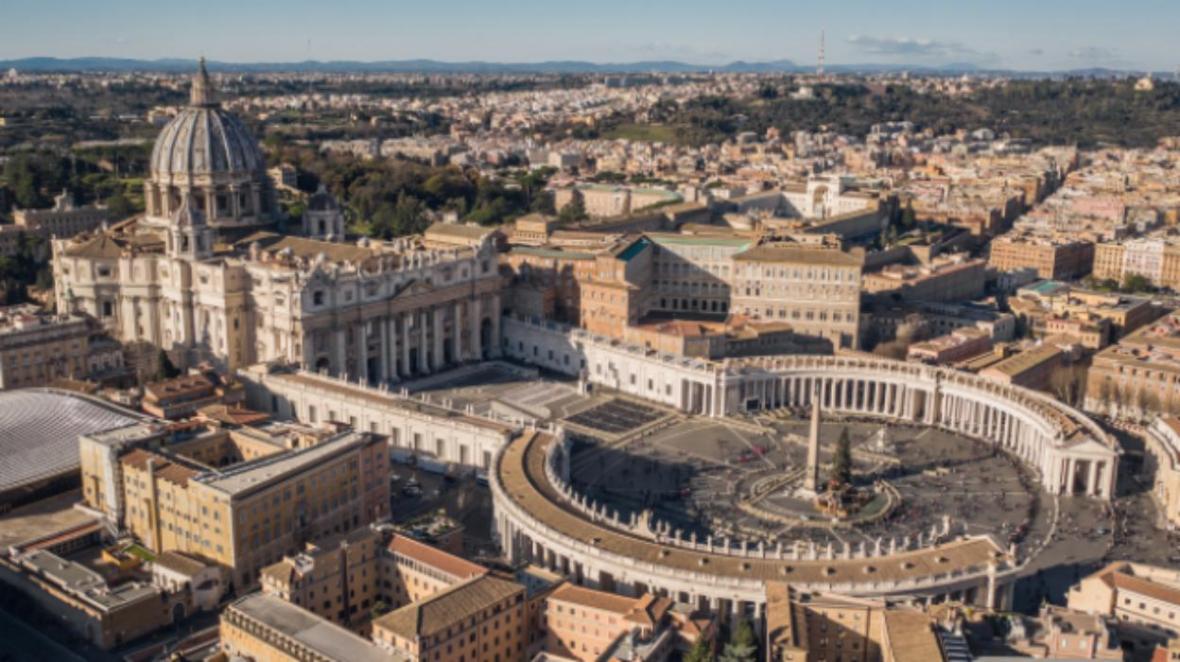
x=21 y=643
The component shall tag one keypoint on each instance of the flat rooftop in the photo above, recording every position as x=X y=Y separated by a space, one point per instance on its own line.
x=265 y=471
x=84 y=583
x=43 y=518
x=383 y=398
x=315 y=633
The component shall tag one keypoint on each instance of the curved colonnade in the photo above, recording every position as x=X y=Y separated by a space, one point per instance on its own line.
x=1070 y=452
x=539 y=520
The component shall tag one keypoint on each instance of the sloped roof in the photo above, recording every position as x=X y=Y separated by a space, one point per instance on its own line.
x=435 y=614
x=435 y=557
x=101 y=246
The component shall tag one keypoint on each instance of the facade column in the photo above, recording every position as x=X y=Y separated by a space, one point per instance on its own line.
x=495 y=340
x=338 y=346
x=308 y=346
x=383 y=356
x=391 y=329
x=404 y=336
x=423 y=318
x=457 y=352
x=1092 y=479
x=439 y=325
x=362 y=354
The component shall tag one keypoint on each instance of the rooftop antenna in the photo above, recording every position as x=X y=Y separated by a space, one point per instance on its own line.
x=309 y=72
x=819 y=68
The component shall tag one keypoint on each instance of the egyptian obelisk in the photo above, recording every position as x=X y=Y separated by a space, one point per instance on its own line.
x=811 y=477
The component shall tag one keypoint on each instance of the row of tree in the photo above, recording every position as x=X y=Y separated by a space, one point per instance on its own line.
x=1086 y=112
x=741 y=646
x=393 y=197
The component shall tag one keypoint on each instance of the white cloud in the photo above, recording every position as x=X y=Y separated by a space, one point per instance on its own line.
x=918 y=48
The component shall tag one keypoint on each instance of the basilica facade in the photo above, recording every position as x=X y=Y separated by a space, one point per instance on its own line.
x=203 y=274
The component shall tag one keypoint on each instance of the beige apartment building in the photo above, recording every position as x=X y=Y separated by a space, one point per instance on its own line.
x=1156 y=259
x=1055 y=258
x=1059 y=633
x=343 y=577
x=585 y=624
x=241 y=499
x=63 y=219
x=950 y=279
x=266 y=628
x=803 y=627
x=336 y=578
x=37 y=348
x=1143 y=600
x=605 y=201
x=1140 y=375
x=482 y=618
x=1030 y=368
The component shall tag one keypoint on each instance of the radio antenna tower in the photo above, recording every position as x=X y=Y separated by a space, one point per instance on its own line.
x=819 y=68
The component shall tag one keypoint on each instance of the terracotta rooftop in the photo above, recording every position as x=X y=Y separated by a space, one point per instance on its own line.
x=800 y=255
x=592 y=599
x=435 y=557
x=165 y=468
x=452 y=606
x=911 y=637
x=179 y=562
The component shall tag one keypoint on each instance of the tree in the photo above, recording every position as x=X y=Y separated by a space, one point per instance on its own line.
x=1066 y=383
x=742 y=646
x=701 y=651
x=1105 y=395
x=1136 y=283
x=167 y=370
x=908 y=218
x=842 y=459
x=575 y=210
x=119 y=206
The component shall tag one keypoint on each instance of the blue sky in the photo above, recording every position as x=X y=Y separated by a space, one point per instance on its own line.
x=1020 y=34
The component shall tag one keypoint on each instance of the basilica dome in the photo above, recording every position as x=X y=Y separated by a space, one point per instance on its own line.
x=204 y=139
x=206 y=154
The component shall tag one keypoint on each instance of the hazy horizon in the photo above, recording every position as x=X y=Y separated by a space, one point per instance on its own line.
x=1003 y=34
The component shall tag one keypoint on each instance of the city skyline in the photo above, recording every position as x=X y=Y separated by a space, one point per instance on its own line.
x=998 y=35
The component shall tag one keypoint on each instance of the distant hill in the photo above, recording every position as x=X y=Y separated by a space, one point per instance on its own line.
x=175 y=65
x=97 y=64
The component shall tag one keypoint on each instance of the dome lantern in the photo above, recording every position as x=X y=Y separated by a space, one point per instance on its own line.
x=202 y=91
